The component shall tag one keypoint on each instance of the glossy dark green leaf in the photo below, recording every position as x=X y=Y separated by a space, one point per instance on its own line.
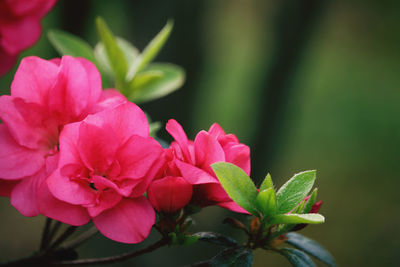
x=311 y=247
x=294 y=191
x=233 y=257
x=216 y=238
x=266 y=202
x=296 y=257
x=68 y=44
x=310 y=218
x=155 y=81
x=237 y=184
x=115 y=55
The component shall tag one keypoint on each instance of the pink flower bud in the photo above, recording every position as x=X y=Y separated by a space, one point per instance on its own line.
x=169 y=194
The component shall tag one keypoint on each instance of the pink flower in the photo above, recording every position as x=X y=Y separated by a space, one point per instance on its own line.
x=106 y=164
x=44 y=98
x=19 y=27
x=189 y=161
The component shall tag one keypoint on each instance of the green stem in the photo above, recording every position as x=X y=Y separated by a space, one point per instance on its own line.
x=45 y=235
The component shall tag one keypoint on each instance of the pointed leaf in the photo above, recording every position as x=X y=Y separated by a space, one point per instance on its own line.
x=237 y=185
x=153 y=85
x=311 y=218
x=152 y=49
x=115 y=54
x=68 y=44
x=216 y=238
x=296 y=257
x=310 y=202
x=311 y=247
x=267 y=183
x=266 y=202
x=294 y=191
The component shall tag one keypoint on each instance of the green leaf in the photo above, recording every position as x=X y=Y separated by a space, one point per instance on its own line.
x=154 y=127
x=216 y=238
x=310 y=202
x=237 y=185
x=131 y=53
x=68 y=44
x=296 y=257
x=267 y=183
x=311 y=247
x=152 y=85
x=115 y=54
x=233 y=257
x=266 y=202
x=294 y=191
x=311 y=218
x=152 y=49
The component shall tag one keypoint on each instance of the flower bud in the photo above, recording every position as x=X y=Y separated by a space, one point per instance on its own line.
x=169 y=194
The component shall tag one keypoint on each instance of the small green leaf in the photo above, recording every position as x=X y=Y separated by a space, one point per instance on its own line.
x=233 y=257
x=294 y=191
x=267 y=183
x=237 y=184
x=296 y=257
x=310 y=202
x=115 y=54
x=311 y=247
x=216 y=238
x=68 y=44
x=154 y=127
x=266 y=202
x=311 y=218
x=152 y=49
x=152 y=85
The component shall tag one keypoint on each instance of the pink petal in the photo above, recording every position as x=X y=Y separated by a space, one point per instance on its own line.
x=18 y=35
x=71 y=191
x=109 y=98
x=137 y=156
x=177 y=132
x=23 y=197
x=26 y=122
x=170 y=194
x=194 y=175
x=239 y=155
x=128 y=222
x=207 y=151
x=7 y=61
x=216 y=131
x=17 y=161
x=51 y=207
x=69 y=153
x=34 y=79
x=106 y=200
x=37 y=8
x=97 y=147
x=7 y=186
x=76 y=90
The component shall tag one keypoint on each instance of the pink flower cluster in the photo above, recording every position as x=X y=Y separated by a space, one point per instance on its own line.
x=19 y=27
x=75 y=153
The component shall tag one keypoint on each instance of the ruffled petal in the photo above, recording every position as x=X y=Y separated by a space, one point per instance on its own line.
x=128 y=222
x=233 y=207
x=106 y=200
x=7 y=61
x=238 y=154
x=207 y=151
x=7 y=186
x=109 y=98
x=194 y=175
x=17 y=161
x=34 y=79
x=177 y=132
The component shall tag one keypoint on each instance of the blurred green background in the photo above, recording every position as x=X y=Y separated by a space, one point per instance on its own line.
x=307 y=84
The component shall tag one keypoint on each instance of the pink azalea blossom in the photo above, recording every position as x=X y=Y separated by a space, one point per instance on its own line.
x=191 y=160
x=106 y=164
x=45 y=96
x=19 y=27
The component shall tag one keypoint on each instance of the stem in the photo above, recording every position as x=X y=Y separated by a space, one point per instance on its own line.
x=112 y=259
x=81 y=238
x=70 y=230
x=45 y=235
x=53 y=232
